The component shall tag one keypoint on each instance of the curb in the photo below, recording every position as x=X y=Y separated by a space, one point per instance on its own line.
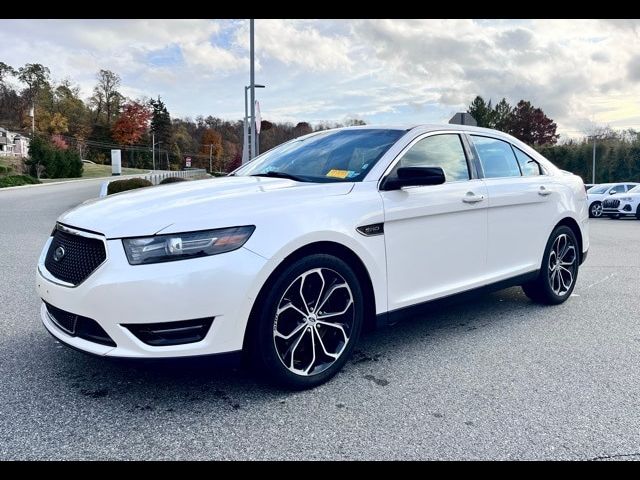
x=48 y=184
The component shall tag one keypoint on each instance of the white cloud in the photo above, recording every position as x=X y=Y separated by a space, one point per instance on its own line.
x=387 y=71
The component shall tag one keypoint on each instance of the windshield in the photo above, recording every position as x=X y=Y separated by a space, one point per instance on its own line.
x=332 y=156
x=599 y=189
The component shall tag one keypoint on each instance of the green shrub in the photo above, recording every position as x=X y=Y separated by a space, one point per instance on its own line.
x=118 y=186
x=4 y=169
x=17 y=180
x=56 y=162
x=172 y=180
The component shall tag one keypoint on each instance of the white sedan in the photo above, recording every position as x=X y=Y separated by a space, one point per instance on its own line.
x=598 y=193
x=290 y=257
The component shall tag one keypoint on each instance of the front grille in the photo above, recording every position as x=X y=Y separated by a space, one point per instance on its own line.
x=78 y=258
x=79 y=326
x=611 y=203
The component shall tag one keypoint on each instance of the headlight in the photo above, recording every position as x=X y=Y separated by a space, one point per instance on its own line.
x=626 y=199
x=180 y=246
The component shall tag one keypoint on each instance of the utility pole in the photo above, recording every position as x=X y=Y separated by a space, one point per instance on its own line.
x=210 y=153
x=33 y=119
x=153 y=147
x=252 y=85
x=593 y=171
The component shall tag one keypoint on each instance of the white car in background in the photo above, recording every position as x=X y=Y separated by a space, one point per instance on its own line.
x=597 y=193
x=623 y=204
x=292 y=255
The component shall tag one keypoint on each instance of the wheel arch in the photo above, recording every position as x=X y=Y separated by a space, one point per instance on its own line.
x=327 y=247
x=573 y=225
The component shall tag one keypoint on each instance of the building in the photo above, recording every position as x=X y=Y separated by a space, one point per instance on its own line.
x=13 y=144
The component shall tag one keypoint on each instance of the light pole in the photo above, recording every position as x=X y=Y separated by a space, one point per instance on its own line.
x=154 y=149
x=593 y=171
x=153 y=143
x=252 y=84
x=246 y=125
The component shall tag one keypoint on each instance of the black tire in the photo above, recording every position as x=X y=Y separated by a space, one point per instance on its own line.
x=638 y=212
x=614 y=216
x=595 y=210
x=268 y=349
x=541 y=290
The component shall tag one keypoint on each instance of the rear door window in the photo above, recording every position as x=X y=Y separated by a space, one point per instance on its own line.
x=497 y=157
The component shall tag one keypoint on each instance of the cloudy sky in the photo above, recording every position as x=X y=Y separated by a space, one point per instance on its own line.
x=383 y=71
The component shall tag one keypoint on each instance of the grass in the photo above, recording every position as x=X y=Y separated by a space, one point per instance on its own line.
x=91 y=170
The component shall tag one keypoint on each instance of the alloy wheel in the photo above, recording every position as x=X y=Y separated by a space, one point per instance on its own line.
x=562 y=264
x=596 y=209
x=313 y=321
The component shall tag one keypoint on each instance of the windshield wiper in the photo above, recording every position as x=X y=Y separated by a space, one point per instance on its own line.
x=275 y=174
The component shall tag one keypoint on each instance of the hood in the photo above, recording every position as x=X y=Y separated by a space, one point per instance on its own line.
x=194 y=205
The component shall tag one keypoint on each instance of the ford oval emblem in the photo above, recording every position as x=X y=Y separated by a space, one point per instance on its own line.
x=59 y=254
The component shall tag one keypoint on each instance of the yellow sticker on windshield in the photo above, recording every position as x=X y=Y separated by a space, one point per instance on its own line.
x=338 y=173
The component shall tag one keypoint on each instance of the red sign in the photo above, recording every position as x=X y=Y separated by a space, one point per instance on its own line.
x=187 y=162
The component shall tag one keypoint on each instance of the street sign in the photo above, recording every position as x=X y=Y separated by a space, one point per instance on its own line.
x=463 y=118
x=258 y=118
x=187 y=162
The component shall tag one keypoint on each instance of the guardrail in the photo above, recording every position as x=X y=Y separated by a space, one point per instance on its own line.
x=157 y=177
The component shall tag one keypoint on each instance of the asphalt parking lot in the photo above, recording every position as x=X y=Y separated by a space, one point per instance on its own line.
x=495 y=377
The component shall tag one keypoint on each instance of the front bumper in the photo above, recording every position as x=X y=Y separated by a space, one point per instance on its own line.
x=116 y=293
x=625 y=209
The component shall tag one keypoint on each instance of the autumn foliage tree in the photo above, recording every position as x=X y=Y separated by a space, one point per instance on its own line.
x=212 y=145
x=524 y=121
x=531 y=125
x=132 y=123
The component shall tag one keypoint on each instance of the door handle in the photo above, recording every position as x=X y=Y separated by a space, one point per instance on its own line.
x=471 y=197
x=544 y=191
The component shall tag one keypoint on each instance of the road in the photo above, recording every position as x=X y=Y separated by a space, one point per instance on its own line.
x=496 y=377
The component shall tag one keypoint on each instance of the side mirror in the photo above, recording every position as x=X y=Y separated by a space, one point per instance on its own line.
x=414 y=177
x=612 y=192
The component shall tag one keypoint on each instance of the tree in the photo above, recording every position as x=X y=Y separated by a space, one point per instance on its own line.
x=58 y=124
x=531 y=125
x=482 y=112
x=502 y=115
x=354 y=122
x=36 y=76
x=5 y=71
x=131 y=124
x=212 y=145
x=160 y=121
x=106 y=97
x=302 y=128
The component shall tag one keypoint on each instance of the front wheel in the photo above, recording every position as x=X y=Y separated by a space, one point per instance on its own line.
x=595 y=210
x=638 y=212
x=559 y=270
x=309 y=322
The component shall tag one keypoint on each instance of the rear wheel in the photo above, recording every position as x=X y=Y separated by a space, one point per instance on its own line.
x=559 y=270
x=638 y=212
x=309 y=322
x=595 y=210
